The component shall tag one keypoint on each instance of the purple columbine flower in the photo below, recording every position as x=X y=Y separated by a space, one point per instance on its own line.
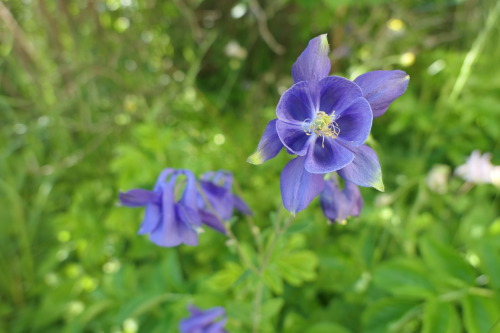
x=204 y=321
x=338 y=205
x=216 y=187
x=325 y=121
x=168 y=221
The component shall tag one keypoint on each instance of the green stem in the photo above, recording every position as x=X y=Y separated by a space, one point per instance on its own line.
x=473 y=53
x=463 y=76
x=279 y=230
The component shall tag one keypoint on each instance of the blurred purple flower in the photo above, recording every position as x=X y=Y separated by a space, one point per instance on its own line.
x=169 y=222
x=204 y=321
x=216 y=187
x=338 y=205
x=325 y=120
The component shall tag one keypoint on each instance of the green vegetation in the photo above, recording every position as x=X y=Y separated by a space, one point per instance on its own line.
x=98 y=96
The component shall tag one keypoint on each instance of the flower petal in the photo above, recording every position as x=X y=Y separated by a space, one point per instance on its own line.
x=336 y=94
x=217 y=327
x=195 y=311
x=200 y=319
x=241 y=205
x=338 y=205
x=188 y=216
x=269 y=145
x=293 y=137
x=212 y=221
x=166 y=232
x=381 y=88
x=138 y=197
x=189 y=197
x=152 y=217
x=299 y=187
x=364 y=169
x=355 y=122
x=313 y=64
x=162 y=178
x=296 y=105
x=326 y=156
x=354 y=195
x=333 y=202
x=173 y=231
x=219 y=199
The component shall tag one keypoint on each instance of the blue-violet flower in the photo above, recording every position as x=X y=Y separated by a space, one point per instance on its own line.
x=217 y=198
x=338 y=205
x=204 y=321
x=167 y=220
x=325 y=120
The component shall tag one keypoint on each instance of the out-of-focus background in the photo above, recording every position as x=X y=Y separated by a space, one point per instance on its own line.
x=98 y=96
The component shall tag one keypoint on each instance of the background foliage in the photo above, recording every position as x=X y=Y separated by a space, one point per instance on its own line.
x=100 y=95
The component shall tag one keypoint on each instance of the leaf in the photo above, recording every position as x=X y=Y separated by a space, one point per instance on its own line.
x=489 y=261
x=387 y=315
x=298 y=267
x=241 y=311
x=368 y=247
x=481 y=314
x=273 y=280
x=224 y=279
x=404 y=277
x=143 y=304
x=172 y=273
x=327 y=327
x=440 y=317
x=271 y=308
x=444 y=260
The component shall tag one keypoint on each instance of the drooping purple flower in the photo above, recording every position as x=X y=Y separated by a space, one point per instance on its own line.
x=325 y=120
x=204 y=321
x=338 y=204
x=168 y=221
x=217 y=190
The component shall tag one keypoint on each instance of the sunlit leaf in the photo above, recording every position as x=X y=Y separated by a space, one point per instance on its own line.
x=404 y=277
x=440 y=317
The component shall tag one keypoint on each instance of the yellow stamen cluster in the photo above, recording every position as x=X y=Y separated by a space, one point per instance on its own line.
x=322 y=125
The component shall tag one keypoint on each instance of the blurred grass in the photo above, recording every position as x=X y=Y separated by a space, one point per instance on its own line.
x=98 y=96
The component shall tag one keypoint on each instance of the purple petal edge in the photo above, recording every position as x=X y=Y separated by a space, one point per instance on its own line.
x=381 y=88
x=364 y=170
x=299 y=187
x=269 y=145
x=313 y=64
x=138 y=197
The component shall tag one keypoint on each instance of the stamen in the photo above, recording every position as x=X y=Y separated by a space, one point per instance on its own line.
x=322 y=125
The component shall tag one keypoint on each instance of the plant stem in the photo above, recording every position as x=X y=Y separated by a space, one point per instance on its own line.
x=279 y=230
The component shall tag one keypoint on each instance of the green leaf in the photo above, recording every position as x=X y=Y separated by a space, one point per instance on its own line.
x=271 y=308
x=298 y=267
x=241 y=311
x=272 y=279
x=489 y=261
x=327 y=327
x=367 y=247
x=143 y=304
x=444 y=260
x=440 y=317
x=481 y=314
x=388 y=315
x=404 y=277
x=225 y=278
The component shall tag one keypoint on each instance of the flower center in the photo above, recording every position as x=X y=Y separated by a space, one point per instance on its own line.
x=322 y=125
